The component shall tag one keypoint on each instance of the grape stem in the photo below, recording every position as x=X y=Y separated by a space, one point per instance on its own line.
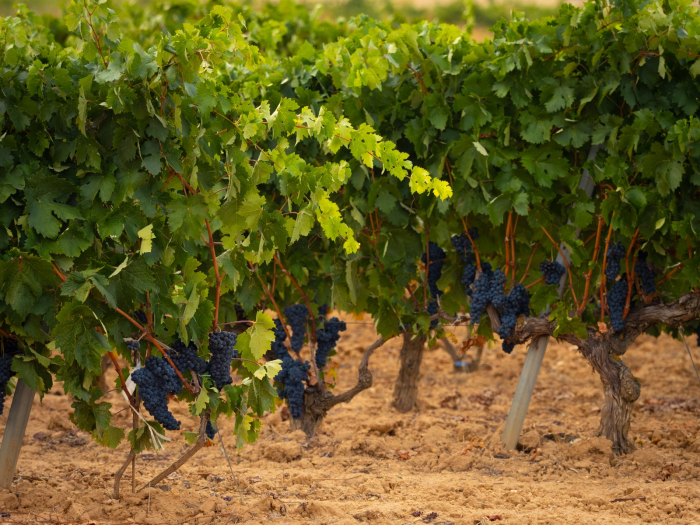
x=113 y=358
x=538 y=281
x=476 y=251
x=529 y=262
x=566 y=262
x=603 y=277
x=217 y=276
x=630 y=276
x=669 y=274
x=58 y=272
x=410 y=292
x=590 y=271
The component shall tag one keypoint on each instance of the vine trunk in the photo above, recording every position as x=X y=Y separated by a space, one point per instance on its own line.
x=621 y=390
x=406 y=387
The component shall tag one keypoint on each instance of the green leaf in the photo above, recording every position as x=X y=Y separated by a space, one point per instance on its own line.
x=303 y=223
x=261 y=335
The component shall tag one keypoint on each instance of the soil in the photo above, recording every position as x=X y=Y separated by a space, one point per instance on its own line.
x=441 y=463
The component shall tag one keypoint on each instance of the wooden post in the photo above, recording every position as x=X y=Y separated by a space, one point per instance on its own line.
x=14 y=432
x=538 y=346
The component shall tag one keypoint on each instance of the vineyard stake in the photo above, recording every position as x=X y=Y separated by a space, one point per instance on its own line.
x=14 y=432
x=538 y=346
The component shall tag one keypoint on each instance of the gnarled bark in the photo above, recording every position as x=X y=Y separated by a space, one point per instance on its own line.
x=318 y=400
x=406 y=387
x=621 y=391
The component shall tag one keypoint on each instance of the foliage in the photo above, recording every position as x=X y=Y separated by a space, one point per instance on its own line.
x=136 y=178
x=510 y=124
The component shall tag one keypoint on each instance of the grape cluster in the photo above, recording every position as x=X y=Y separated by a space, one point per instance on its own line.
x=616 y=251
x=463 y=246
x=647 y=274
x=221 y=347
x=511 y=306
x=280 y=337
x=616 y=298
x=323 y=310
x=292 y=377
x=437 y=261
x=9 y=349
x=552 y=271
x=155 y=381
x=211 y=432
x=133 y=346
x=296 y=316
x=487 y=287
x=326 y=339
x=141 y=317
x=185 y=358
x=240 y=312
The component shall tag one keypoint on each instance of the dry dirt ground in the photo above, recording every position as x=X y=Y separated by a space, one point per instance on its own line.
x=441 y=463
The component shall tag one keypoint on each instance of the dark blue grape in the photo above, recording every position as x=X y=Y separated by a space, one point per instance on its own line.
x=222 y=352
x=437 y=261
x=488 y=287
x=297 y=315
x=616 y=298
x=464 y=249
x=155 y=381
x=292 y=377
x=327 y=338
x=616 y=251
x=211 y=432
x=185 y=358
x=647 y=274
x=552 y=271
x=510 y=307
x=141 y=317
x=278 y=345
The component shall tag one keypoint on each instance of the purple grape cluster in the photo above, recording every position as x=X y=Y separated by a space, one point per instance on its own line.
x=278 y=346
x=552 y=271
x=463 y=246
x=221 y=347
x=616 y=298
x=141 y=317
x=510 y=307
x=133 y=347
x=185 y=358
x=8 y=350
x=646 y=272
x=210 y=430
x=296 y=315
x=292 y=377
x=487 y=287
x=437 y=261
x=155 y=381
x=616 y=251
x=327 y=338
